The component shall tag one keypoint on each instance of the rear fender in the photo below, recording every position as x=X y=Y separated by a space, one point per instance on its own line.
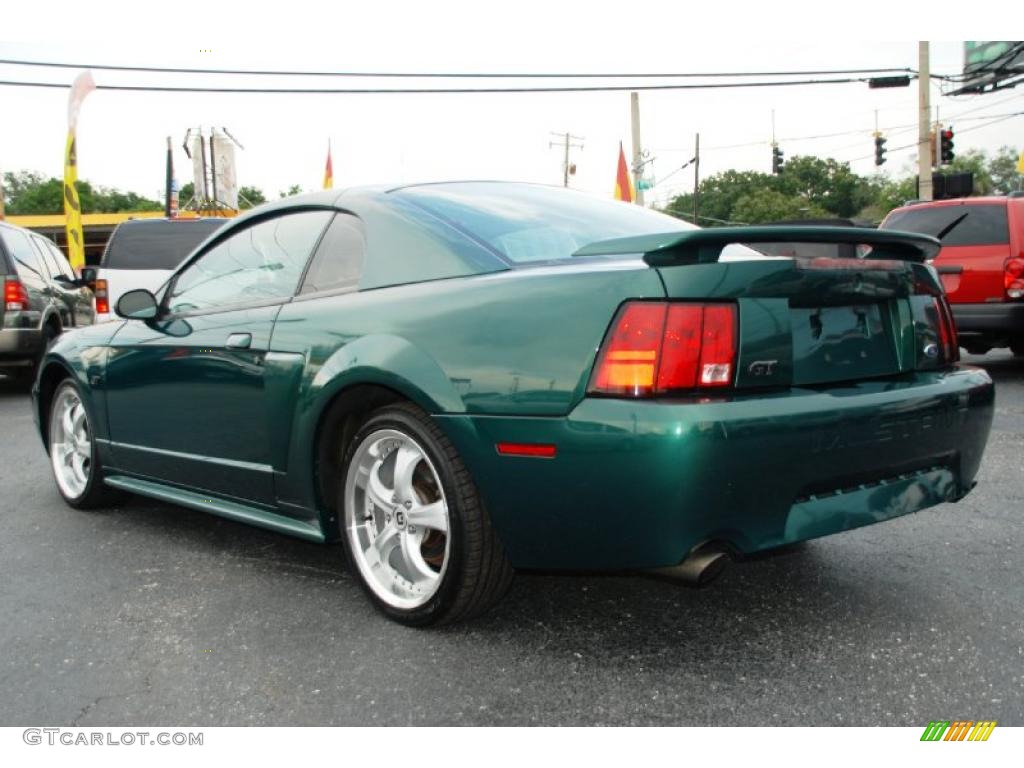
x=381 y=360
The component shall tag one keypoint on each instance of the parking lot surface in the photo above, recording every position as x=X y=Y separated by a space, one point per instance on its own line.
x=153 y=614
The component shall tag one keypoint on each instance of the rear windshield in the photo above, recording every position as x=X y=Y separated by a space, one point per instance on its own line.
x=981 y=224
x=529 y=224
x=156 y=244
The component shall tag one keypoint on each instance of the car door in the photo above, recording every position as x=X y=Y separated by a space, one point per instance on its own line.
x=80 y=299
x=186 y=392
x=64 y=296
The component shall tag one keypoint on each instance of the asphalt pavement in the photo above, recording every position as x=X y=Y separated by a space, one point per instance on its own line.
x=150 y=614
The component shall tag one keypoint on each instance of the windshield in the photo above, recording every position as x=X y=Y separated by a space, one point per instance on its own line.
x=529 y=224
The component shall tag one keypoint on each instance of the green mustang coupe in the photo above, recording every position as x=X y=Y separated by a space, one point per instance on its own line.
x=458 y=379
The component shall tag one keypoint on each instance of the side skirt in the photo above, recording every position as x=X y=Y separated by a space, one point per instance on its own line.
x=232 y=510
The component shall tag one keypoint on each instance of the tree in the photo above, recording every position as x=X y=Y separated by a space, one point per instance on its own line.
x=827 y=184
x=763 y=206
x=294 y=189
x=250 y=197
x=718 y=195
x=29 y=192
x=1002 y=169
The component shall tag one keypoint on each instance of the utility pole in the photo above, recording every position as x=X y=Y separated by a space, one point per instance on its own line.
x=924 y=160
x=169 y=180
x=638 y=161
x=568 y=141
x=696 y=178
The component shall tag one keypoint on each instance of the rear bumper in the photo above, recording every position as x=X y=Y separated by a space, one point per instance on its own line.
x=639 y=484
x=19 y=347
x=1002 y=319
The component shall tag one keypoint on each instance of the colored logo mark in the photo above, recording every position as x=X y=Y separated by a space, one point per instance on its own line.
x=958 y=730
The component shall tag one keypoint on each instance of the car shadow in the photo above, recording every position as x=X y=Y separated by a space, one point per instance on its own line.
x=10 y=387
x=1001 y=365
x=628 y=619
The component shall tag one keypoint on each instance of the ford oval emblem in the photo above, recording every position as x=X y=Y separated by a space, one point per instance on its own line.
x=931 y=350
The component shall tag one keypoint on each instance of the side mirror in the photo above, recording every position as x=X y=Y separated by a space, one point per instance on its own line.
x=88 y=276
x=139 y=304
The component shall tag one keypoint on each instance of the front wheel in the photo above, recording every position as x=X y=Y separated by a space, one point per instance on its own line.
x=73 y=453
x=416 y=532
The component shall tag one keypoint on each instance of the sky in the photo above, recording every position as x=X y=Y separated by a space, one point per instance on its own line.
x=408 y=138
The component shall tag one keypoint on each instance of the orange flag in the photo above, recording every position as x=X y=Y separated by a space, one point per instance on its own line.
x=623 y=186
x=328 y=171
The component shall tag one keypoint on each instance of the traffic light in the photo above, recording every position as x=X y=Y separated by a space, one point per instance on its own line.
x=946 y=146
x=777 y=160
x=879 y=149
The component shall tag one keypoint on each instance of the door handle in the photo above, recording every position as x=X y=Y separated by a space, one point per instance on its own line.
x=239 y=341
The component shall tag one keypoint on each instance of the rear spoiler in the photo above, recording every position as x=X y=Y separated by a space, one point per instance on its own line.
x=704 y=246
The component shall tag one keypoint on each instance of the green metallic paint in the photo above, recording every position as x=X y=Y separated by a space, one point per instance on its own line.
x=201 y=385
x=704 y=246
x=505 y=355
x=241 y=513
x=674 y=473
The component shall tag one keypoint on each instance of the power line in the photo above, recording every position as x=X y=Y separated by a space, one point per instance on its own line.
x=964 y=130
x=448 y=75
x=890 y=130
x=524 y=89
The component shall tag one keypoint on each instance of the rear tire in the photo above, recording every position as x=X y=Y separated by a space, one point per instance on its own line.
x=415 y=531
x=74 y=457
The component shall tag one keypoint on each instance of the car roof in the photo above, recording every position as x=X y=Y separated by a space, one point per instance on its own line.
x=988 y=200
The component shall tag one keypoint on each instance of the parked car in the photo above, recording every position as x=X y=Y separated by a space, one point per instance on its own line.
x=42 y=298
x=981 y=264
x=458 y=379
x=142 y=253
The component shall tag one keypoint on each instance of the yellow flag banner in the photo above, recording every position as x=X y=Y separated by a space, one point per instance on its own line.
x=72 y=207
x=81 y=88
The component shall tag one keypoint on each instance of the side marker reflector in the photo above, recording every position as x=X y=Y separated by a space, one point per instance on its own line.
x=536 y=450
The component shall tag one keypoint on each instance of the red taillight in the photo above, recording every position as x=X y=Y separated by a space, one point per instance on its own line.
x=1013 y=278
x=629 y=360
x=948 y=340
x=658 y=347
x=15 y=297
x=718 y=346
x=100 y=291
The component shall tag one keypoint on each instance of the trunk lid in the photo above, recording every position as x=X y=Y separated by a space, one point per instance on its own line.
x=811 y=320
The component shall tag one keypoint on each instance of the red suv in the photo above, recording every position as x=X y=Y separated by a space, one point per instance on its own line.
x=981 y=264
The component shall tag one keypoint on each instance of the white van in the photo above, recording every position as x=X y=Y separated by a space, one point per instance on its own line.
x=142 y=253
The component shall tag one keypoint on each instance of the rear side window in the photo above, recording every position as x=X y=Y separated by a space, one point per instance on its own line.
x=156 y=244
x=62 y=261
x=338 y=263
x=979 y=225
x=51 y=263
x=26 y=258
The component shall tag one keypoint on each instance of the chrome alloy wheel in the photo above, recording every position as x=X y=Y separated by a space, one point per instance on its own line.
x=396 y=519
x=70 y=443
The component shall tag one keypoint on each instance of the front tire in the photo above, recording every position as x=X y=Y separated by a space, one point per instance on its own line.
x=416 y=533
x=74 y=457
